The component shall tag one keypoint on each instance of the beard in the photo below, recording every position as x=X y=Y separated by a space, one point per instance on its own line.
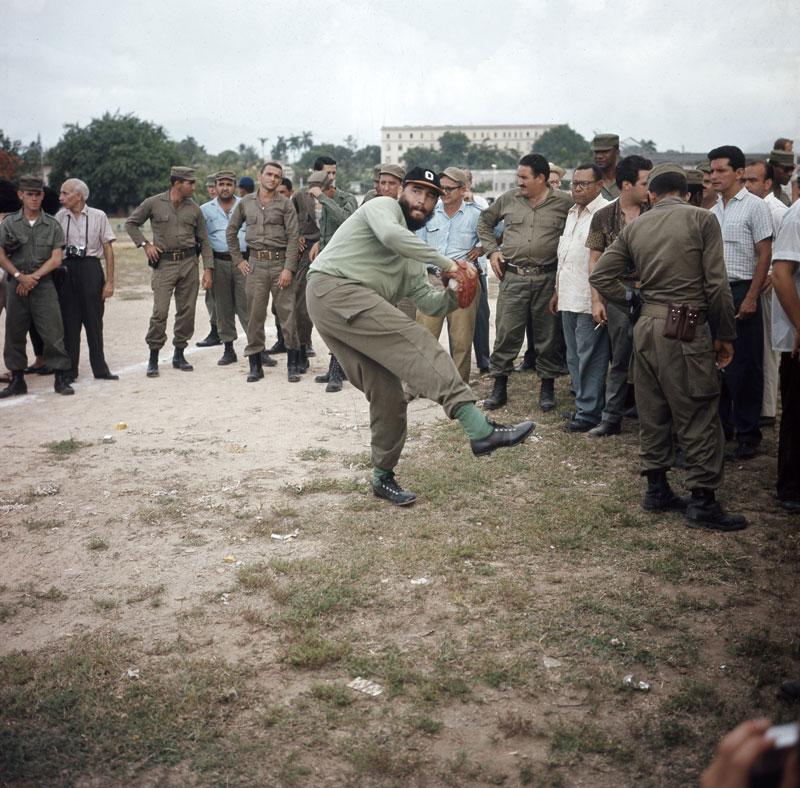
x=413 y=224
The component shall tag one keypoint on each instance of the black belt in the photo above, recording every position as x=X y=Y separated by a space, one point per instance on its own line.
x=529 y=270
x=223 y=256
x=177 y=254
x=740 y=282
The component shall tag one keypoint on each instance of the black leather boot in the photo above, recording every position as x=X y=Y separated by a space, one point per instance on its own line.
x=61 y=383
x=152 y=365
x=211 y=339
x=228 y=356
x=256 y=372
x=499 y=395
x=704 y=511
x=179 y=362
x=547 y=395
x=16 y=386
x=292 y=374
x=302 y=360
x=335 y=376
x=659 y=496
x=310 y=353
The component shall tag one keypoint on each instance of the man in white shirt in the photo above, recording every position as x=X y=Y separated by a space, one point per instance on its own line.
x=758 y=180
x=587 y=342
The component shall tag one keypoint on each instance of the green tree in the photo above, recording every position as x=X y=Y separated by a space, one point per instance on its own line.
x=279 y=149
x=248 y=156
x=420 y=156
x=453 y=148
x=192 y=152
x=122 y=158
x=562 y=145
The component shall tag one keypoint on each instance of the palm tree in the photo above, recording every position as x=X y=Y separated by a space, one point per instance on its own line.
x=294 y=143
x=263 y=141
x=279 y=149
x=306 y=140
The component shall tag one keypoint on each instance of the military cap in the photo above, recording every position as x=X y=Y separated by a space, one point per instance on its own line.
x=457 y=175
x=376 y=172
x=184 y=173
x=694 y=177
x=705 y=167
x=246 y=182
x=227 y=175
x=211 y=180
x=663 y=169
x=560 y=171
x=31 y=183
x=318 y=178
x=425 y=177
x=395 y=170
x=783 y=158
x=605 y=141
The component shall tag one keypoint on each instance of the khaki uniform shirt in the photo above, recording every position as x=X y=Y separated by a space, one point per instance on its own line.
x=270 y=226
x=29 y=246
x=174 y=229
x=610 y=192
x=334 y=211
x=530 y=235
x=306 y=215
x=676 y=251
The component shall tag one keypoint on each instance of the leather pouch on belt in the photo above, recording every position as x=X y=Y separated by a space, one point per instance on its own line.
x=676 y=317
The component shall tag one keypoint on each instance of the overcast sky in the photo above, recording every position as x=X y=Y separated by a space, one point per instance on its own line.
x=685 y=73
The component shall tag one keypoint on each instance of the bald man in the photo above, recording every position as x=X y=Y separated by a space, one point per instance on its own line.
x=84 y=288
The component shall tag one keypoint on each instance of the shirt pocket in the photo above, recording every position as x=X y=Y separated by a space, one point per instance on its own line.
x=160 y=216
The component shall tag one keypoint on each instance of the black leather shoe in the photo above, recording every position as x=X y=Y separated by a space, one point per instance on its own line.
x=577 y=425
x=790 y=690
x=604 y=429
x=32 y=369
x=663 y=499
x=547 y=395
x=335 y=376
x=179 y=362
x=745 y=451
x=499 y=395
x=267 y=360
x=61 y=383
x=256 y=373
x=228 y=356
x=152 y=365
x=211 y=339
x=501 y=436
x=107 y=376
x=44 y=370
x=704 y=511
x=388 y=489
x=16 y=386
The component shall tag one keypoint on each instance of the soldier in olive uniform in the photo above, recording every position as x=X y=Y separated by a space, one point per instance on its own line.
x=606 y=157
x=272 y=236
x=676 y=251
x=534 y=216
x=178 y=230
x=30 y=249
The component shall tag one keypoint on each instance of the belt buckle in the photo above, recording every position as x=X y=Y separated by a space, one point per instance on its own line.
x=174 y=256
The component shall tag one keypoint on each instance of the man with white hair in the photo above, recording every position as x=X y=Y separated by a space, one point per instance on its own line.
x=84 y=289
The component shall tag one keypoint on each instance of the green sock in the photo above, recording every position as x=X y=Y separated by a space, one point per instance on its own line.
x=475 y=424
x=376 y=475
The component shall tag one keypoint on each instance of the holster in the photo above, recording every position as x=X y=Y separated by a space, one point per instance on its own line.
x=681 y=322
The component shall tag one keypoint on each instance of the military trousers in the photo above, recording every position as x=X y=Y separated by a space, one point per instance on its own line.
x=40 y=309
x=677 y=388
x=181 y=279
x=788 y=483
x=520 y=296
x=302 y=321
x=620 y=335
x=260 y=284
x=211 y=305
x=378 y=346
x=230 y=298
x=460 y=327
x=82 y=306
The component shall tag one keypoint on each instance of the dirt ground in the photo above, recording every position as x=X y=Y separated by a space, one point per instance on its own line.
x=159 y=511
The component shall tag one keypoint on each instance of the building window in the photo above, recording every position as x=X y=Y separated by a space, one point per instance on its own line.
x=411 y=136
x=400 y=147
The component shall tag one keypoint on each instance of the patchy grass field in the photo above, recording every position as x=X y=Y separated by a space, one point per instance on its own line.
x=191 y=612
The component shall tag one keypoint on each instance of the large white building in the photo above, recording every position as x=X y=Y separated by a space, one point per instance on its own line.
x=395 y=140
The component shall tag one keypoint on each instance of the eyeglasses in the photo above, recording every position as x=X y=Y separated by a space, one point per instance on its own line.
x=578 y=185
x=448 y=189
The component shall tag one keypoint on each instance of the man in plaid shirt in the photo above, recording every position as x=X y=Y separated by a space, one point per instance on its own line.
x=747 y=239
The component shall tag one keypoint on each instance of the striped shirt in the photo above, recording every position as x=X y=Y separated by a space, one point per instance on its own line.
x=745 y=221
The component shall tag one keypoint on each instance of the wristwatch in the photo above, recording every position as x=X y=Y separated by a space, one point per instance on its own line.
x=143 y=244
x=17 y=275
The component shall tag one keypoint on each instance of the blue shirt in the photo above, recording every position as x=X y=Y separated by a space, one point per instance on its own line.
x=454 y=236
x=217 y=223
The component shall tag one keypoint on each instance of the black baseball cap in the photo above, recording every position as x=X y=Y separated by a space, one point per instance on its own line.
x=424 y=177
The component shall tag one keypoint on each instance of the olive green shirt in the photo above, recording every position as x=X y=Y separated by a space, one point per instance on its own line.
x=530 y=235
x=676 y=250
x=174 y=229
x=375 y=248
x=334 y=211
x=29 y=246
x=270 y=226
x=370 y=195
x=306 y=215
x=610 y=192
